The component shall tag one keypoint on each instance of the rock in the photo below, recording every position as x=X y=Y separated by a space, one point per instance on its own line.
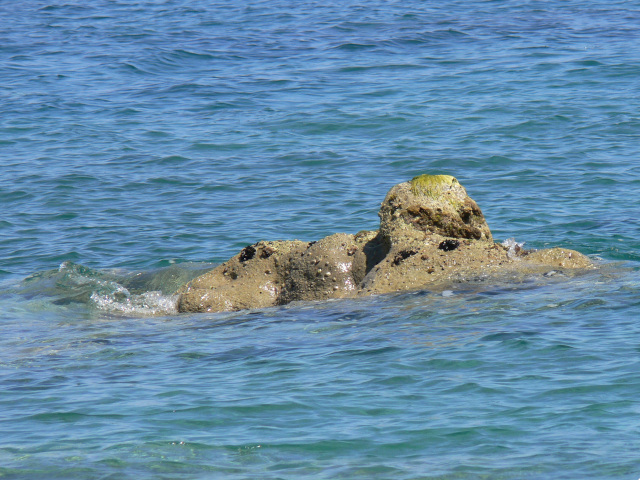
x=432 y=234
x=276 y=273
x=431 y=204
x=330 y=268
x=251 y=279
x=559 y=257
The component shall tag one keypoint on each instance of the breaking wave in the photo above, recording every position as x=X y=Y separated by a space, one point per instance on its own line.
x=109 y=291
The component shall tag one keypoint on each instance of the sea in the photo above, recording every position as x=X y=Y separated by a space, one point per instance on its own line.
x=144 y=142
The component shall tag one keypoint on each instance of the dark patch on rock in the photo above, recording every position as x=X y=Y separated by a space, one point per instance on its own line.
x=435 y=220
x=247 y=253
x=374 y=250
x=448 y=245
x=228 y=272
x=403 y=255
x=267 y=252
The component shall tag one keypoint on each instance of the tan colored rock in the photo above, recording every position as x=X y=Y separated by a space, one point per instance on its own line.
x=251 y=279
x=327 y=269
x=559 y=257
x=432 y=234
x=431 y=204
x=436 y=260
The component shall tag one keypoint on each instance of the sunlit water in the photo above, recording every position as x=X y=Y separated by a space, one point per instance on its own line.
x=143 y=142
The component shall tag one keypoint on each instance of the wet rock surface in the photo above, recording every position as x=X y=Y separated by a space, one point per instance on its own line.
x=432 y=234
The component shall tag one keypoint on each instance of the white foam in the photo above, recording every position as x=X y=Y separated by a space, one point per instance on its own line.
x=145 y=304
x=513 y=246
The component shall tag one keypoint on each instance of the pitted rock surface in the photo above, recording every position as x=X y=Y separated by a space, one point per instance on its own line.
x=432 y=234
x=431 y=204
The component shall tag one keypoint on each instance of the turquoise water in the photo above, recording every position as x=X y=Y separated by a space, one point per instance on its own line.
x=143 y=142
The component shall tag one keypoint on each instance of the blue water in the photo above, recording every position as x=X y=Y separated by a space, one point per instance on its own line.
x=141 y=143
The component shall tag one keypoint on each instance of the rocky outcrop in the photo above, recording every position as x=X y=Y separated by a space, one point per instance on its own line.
x=431 y=204
x=432 y=234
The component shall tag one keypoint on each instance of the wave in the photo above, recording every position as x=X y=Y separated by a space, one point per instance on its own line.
x=109 y=291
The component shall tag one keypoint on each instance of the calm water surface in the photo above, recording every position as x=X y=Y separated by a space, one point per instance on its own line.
x=143 y=142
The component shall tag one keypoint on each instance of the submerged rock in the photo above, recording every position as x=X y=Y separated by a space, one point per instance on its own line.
x=431 y=234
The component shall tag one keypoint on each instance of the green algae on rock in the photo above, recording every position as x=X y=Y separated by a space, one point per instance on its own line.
x=431 y=185
x=431 y=234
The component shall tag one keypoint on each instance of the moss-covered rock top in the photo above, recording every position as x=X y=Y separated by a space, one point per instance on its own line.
x=431 y=204
x=431 y=185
